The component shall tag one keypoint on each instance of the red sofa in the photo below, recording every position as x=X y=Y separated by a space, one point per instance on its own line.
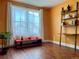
x=29 y=41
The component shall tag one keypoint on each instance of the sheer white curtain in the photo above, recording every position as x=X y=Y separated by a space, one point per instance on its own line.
x=25 y=22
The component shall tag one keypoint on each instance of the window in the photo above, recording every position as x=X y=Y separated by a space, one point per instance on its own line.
x=25 y=22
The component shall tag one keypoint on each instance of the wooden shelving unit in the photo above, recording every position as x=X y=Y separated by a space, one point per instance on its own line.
x=70 y=18
x=73 y=23
x=69 y=25
x=70 y=34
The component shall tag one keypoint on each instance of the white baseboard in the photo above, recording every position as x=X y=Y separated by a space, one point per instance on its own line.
x=1 y=46
x=67 y=45
x=63 y=44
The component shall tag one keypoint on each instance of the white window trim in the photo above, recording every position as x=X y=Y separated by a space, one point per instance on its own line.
x=42 y=25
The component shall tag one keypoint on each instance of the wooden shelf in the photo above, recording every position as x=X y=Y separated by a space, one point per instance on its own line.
x=66 y=12
x=70 y=34
x=70 y=18
x=69 y=25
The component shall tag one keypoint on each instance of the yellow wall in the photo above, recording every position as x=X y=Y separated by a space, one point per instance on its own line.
x=3 y=13
x=47 y=24
x=56 y=20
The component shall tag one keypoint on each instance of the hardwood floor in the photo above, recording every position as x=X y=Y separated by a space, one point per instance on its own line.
x=46 y=51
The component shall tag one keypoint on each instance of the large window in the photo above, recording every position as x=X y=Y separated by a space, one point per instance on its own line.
x=25 y=22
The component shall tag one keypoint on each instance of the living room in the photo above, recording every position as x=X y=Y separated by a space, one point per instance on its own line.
x=39 y=29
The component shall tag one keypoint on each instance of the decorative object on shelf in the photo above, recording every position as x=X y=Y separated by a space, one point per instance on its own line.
x=64 y=23
x=73 y=22
x=70 y=15
x=68 y=8
x=73 y=15
x=66 y=16
x=77 y=22
x=63 y=11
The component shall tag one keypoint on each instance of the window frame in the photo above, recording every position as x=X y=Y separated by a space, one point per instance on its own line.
x=9 y=28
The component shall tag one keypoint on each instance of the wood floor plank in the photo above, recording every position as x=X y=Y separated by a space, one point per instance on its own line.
x=46 y=51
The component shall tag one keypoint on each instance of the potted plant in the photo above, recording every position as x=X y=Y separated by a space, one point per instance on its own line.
x=4 y=36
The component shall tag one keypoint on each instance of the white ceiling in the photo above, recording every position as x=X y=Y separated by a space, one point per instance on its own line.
x=42 y=3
